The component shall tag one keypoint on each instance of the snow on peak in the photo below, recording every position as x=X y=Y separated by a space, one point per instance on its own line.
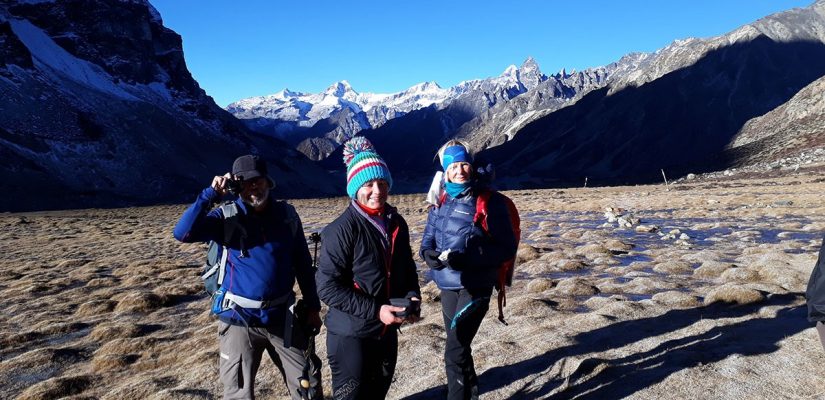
x=55 y=61
x=424 y=87
x=529 y=64
x=339 y=89
x=286 y=94
x=510 y=72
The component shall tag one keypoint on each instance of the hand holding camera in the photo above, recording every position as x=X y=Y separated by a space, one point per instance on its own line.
x=401 y=309
x=227 y=184
x=411 y=306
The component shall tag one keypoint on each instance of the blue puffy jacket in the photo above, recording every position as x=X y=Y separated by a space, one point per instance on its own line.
x=277 y=254
x=450 y=226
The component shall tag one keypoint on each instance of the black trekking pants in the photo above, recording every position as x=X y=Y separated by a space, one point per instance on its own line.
x=462 y=382
x=361 y=368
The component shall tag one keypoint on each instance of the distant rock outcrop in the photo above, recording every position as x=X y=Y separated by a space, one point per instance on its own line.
x=788 y=130
x=97 y=108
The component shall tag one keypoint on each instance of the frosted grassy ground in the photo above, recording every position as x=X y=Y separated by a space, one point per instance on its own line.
x=105 y=304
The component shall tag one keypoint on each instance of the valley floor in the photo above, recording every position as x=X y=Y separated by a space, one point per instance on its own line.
x=702 y=297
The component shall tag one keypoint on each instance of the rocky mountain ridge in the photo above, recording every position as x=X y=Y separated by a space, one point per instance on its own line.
x=97 y=108
x=695 y=105
x=314 y=122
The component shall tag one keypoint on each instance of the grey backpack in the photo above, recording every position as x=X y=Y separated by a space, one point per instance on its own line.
x=217 y=253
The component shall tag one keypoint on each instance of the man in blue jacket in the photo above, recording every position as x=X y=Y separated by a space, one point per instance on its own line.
x=266 y=253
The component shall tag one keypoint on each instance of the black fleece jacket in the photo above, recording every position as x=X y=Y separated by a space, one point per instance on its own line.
x=354 y=278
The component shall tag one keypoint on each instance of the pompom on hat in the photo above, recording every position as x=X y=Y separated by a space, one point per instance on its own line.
x=363 y=164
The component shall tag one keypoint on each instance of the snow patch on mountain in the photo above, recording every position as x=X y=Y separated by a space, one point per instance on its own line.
x=51 y=58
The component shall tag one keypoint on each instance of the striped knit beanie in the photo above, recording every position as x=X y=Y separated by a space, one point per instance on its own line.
x=363 y=164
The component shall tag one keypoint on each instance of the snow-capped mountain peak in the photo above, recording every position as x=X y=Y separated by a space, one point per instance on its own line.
x=286 y=94
x=424 y=87
x=340 y=89
x=529 y=64
x=510 y=72
x=529 y=74
x=288 y=115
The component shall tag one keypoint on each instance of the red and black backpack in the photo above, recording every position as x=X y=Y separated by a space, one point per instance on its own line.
x=505 y=271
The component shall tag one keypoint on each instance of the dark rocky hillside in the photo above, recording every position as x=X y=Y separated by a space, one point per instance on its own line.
x=97 y=108
x=682 y=121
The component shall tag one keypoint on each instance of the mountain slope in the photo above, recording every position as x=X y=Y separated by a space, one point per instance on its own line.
x=679 y=111
x=795 y=127
x=317 y=122
x=97 y=108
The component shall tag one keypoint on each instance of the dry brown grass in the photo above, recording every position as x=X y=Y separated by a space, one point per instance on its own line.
x=711 y=269
x=105 y=304
x=730 y=293
x=56 y=388
x=539 y=285
x=673 y=267
x=526 y=253
x=575 y=287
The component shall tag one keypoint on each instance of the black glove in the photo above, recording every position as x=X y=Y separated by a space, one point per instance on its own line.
x=456 y=260
x=431 y=258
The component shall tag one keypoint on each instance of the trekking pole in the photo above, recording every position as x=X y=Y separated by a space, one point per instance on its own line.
x=315 y=237
x=305 y=389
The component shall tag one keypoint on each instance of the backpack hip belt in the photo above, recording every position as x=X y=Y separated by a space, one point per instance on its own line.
x=244 y=302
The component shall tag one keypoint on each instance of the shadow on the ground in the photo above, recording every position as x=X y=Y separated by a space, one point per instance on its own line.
x=596 y=378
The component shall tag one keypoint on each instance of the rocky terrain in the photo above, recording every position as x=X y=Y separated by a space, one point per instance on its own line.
x=316 y=123
x=95 y=97
x=98 y=108
x=687 y=119
x=691 y=290
x=696 y=105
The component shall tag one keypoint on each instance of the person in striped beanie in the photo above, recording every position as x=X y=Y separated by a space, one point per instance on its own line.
x=364 y=267
x=363 y=165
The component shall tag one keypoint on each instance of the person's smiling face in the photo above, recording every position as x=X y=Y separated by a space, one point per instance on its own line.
x=373 y=194
x=459 y=172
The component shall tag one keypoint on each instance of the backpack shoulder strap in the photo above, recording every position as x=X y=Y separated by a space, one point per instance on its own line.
x=231 y=224
x=229 y=209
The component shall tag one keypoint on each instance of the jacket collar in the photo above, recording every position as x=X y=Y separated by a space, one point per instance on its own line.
x=389 y=216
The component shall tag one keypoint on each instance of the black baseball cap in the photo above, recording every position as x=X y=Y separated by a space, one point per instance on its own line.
x=250 y=167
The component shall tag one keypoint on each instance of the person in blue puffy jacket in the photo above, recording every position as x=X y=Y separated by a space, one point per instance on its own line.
x=267 y=252
x=464 y=261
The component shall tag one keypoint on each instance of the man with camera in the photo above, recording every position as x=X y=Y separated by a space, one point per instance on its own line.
x=367 y=277
x=266 y=253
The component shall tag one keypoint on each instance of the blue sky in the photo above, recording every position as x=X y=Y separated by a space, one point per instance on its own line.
x=238 y=49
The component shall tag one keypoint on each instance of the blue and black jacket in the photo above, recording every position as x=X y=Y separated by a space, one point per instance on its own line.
x=450 y=226
x=265 y=257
